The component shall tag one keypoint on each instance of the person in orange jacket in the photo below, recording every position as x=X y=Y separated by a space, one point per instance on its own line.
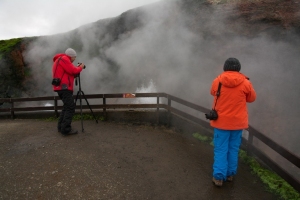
x=64 y=71
x=236 y=90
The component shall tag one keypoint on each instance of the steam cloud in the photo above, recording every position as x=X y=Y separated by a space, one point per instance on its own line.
x=182 y=62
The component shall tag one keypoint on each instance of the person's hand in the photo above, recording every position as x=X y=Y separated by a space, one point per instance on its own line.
x=82 y=65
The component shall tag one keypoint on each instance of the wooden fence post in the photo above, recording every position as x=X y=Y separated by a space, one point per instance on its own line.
x=104 y=107
x=12 y=114
x=169 y=111
x=157 y=110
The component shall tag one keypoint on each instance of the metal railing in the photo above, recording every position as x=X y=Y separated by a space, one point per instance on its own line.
x=249 y=144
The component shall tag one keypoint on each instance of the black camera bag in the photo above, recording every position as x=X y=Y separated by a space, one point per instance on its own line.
x=213 y=115
x=56 y=81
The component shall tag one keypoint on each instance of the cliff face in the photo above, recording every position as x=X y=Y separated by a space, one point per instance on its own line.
x=14 y=71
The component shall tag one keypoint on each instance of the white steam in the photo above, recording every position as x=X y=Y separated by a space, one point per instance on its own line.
x=166 y=55
x=150 y=87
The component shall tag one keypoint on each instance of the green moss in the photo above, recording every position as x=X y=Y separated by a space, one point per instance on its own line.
x=202 y=138
x=274 y=183
x=88 y=117
x=51 y=119
x=77 y=117
x=102 y=118
x=84 y=117
x=7 y=45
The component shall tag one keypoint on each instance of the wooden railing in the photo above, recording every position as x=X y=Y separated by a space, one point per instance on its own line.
x=250 y=147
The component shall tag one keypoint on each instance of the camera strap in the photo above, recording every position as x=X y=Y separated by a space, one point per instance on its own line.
x=56 y=68
x=218 y=94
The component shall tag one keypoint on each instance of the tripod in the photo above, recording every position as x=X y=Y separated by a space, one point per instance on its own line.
x=80 y=94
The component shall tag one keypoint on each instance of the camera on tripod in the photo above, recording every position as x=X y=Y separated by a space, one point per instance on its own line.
x=79 y=96
x=80 y=64
x=212 y=115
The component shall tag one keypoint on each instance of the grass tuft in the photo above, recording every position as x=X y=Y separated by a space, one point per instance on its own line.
x=77 y=117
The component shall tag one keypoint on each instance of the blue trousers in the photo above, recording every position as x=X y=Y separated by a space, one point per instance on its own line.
x=226 y=149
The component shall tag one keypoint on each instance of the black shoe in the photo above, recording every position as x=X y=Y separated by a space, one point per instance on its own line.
x=72 y=132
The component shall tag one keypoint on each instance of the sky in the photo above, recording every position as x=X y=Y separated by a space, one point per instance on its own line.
x=28 y=18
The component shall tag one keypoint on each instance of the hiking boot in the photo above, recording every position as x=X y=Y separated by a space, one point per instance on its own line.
x=217 y=183
x=72 y=132
x=229 y=178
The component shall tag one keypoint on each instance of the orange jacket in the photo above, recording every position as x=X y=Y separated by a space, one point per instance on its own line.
x=236 y=91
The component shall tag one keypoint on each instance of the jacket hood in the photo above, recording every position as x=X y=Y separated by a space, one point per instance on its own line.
x=231 y=79
x=59 y=55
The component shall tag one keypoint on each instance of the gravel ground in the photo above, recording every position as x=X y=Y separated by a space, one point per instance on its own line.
x=111 y=160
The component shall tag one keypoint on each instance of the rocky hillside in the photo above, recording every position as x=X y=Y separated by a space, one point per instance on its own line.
x=250 y=17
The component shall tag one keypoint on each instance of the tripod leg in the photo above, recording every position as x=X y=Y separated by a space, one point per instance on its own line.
x=89 y=107
x=77 y=97
x=81 y=112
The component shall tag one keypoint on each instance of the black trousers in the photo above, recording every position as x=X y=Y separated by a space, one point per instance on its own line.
x=66 y=115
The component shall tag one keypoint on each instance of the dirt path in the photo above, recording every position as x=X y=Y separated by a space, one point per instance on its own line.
x=111 y=161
